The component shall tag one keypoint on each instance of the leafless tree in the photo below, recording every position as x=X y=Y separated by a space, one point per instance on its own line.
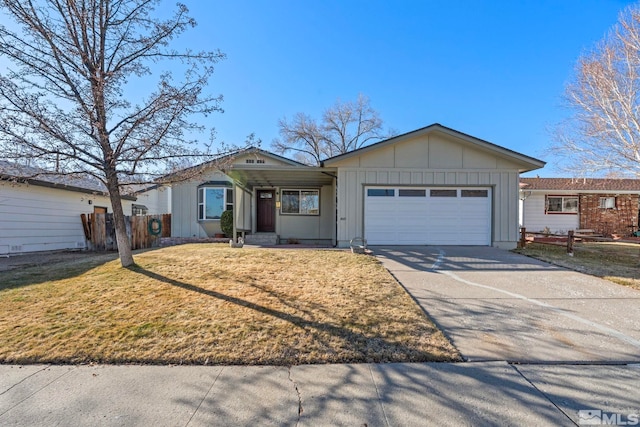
x=67 y=103
x=344 y=127
x=302 y=136
x=603 y=133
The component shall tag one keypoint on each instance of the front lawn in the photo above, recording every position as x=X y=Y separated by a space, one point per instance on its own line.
x=210 y=304
x=618 y=262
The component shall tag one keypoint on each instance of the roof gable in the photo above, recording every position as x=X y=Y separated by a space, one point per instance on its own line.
x=259 y=157
x=447 y=151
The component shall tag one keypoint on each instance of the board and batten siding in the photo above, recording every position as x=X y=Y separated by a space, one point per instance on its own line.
x=504 y=184
x=431 y=158
x=35 y=218
x=534 y=217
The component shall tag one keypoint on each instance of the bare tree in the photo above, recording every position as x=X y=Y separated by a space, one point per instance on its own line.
x=66 y=105
x=603 y=134
x=302 y=136
x=344 y=127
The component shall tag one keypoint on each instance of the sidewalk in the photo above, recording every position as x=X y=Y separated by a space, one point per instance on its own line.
x=482 y=393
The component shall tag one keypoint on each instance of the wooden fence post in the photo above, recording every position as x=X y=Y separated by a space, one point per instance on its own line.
x=570 y=239
x=523 y=237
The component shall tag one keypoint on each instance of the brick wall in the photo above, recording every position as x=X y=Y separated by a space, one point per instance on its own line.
x=608 y=221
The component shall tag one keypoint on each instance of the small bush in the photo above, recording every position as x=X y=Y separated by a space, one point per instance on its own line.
x=226 y=223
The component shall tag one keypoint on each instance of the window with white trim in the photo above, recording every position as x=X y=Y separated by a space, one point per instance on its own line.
x=562 y=205
x=300 y=202
x=607 y=202
x=212 y=201
x=137 y=210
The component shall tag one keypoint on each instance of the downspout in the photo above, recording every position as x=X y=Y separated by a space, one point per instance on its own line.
x=335 y=211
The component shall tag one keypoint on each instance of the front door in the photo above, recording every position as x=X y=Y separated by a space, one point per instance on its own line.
x=266 y=217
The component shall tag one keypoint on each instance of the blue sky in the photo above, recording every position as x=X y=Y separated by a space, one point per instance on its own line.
x=492 y=69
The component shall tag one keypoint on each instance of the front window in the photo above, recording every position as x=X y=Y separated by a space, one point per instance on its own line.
x=137 y=210
x=300 y=202
x=212 y=201
x=607 y=203
x=562 y=204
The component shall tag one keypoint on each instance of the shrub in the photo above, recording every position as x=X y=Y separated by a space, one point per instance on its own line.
x=226 y=223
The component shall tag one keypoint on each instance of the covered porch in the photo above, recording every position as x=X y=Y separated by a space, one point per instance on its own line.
x=284 y=204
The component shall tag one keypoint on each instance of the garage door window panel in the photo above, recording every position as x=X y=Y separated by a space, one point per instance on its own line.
x=474 y=193
x=443 y=193
x=381 y=192
x=412 y=193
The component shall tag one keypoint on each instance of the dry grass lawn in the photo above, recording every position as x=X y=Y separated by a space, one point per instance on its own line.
x=210 y=304
x=615 y=261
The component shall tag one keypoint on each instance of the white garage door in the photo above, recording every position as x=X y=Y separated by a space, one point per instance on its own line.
x=427 y=216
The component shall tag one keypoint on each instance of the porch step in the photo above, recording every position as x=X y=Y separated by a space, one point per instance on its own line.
x=262 y=239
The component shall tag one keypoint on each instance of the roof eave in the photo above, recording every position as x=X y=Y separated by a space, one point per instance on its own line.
x=40 y=183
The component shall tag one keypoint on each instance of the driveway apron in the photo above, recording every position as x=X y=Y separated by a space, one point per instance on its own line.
x=497 y=305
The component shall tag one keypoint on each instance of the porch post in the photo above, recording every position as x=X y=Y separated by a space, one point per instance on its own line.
x=236 y=207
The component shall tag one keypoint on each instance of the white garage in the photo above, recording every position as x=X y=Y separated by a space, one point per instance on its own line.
x=409 y=215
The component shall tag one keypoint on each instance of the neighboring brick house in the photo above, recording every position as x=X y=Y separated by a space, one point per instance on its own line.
x=606 y=205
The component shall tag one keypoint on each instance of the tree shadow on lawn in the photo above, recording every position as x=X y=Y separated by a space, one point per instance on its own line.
x=367 y=348
x=36 y=269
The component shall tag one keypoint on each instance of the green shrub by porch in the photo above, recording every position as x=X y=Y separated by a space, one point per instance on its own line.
x=226 y=223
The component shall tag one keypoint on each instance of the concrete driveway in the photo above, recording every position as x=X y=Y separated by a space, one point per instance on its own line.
x=497 y=305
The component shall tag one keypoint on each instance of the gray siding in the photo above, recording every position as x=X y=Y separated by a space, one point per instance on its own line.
x=308 y=228
x=242 y=209
x=184 y=208
x=314 y=228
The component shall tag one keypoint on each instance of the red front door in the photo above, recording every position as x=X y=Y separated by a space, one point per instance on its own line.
x=266 y=217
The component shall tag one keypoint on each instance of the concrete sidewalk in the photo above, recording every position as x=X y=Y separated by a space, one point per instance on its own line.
x=483 y=393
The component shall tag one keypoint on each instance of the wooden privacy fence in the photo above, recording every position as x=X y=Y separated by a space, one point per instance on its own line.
x=144 y=231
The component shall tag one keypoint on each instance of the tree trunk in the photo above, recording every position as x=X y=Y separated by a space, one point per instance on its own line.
x=124 y=245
